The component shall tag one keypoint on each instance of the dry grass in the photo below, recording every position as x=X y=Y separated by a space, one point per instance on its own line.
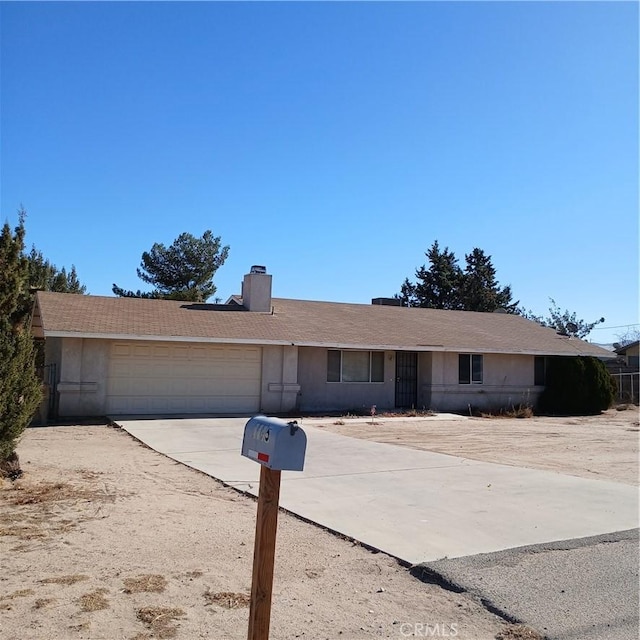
x=520 y=411
x=518 y=632
x=42 y=603
x=24 y=532
x=160 y=620
x=227 y=599
x=45 y=492
x=145 y=584
x=21 y=593
x=408 y=413
x=66 y=580
x=30 y=510
x=94 y=601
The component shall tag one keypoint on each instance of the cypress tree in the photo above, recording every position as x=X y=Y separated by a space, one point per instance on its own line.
x=20 y=389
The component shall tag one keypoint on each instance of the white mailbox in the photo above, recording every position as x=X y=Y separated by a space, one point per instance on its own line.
x=274 y=443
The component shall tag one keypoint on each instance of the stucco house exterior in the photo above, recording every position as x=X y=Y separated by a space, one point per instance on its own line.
x=117 y=356
x=630 y=353
x=626 y=371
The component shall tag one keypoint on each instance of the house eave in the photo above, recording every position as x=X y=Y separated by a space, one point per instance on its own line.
x=161 y=338
x=422 y=348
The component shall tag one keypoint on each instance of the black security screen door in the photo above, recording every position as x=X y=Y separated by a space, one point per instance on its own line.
x=406 y=379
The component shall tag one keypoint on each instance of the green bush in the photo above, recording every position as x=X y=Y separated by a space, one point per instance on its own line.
x=577 y=386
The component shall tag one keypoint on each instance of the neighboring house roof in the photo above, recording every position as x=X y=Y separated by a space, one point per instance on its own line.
x=621 y=351
x=301 y=323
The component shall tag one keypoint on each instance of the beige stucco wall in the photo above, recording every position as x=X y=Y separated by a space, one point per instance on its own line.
x=316 y=394
x=631 y=356
x=633 y=351
x=294 y=379
x=507 y=381
x=83 y=366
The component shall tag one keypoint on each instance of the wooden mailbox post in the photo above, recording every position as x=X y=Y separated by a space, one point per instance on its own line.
x=277 y=446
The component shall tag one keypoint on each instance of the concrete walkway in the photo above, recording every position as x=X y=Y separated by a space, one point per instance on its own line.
x=416 y=505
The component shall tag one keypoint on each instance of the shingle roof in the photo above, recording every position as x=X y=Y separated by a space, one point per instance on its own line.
x=302 y=323
x=625 y=347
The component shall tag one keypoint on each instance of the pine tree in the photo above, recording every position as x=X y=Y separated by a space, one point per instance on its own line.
x=480 y=290
x=438 y=286
x=444 y=285
x=182 y=271
x=20 y=389
x=45 y=276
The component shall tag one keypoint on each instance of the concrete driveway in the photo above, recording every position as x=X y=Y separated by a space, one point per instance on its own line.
x=415 y=505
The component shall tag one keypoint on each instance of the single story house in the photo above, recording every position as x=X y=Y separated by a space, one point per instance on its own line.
x=115 y=356
x=630 y=354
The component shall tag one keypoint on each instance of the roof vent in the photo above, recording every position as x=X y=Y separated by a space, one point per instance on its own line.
x=256 y=268
x=390 y=302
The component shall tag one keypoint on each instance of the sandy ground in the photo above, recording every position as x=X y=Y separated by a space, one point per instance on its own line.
x=604 y=446
x=104 y=538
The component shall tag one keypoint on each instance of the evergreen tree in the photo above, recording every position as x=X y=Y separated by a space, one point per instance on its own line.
x=444 y=285
x=438 y=286
x=45 y=276
x=577 y=386
x=480 y=290
x=183 y=271
x=20 y=391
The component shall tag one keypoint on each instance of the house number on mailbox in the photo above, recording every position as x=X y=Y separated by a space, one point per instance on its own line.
x=261 y=433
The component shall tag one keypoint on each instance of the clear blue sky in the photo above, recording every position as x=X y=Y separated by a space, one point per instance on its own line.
x=331 y=142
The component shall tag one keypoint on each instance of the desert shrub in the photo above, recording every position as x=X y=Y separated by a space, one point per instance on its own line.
x=577 y=386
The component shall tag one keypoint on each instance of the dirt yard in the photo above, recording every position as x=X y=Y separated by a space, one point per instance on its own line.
x=104 y=538
x=604 y=446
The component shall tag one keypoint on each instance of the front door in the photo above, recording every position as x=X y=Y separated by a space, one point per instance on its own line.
x=406 y=379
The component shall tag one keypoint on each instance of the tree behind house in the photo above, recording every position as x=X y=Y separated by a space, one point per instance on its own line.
x=45 y=276
x=566 y=323
x=479 y=288
x=444 y=285
x=182 y=271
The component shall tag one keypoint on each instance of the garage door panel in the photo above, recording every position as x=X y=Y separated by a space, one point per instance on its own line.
x=169 y=378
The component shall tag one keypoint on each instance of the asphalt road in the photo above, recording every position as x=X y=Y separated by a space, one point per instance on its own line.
x=582 y=589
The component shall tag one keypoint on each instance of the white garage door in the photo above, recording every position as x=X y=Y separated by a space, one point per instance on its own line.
x=155 y=378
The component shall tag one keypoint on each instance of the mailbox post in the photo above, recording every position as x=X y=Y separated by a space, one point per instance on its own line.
x=277 y=445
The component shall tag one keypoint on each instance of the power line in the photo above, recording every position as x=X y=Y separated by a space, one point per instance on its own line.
x=619 y=326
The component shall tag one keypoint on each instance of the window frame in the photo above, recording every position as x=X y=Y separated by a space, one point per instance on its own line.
x=468 y=368
x=340 y=368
